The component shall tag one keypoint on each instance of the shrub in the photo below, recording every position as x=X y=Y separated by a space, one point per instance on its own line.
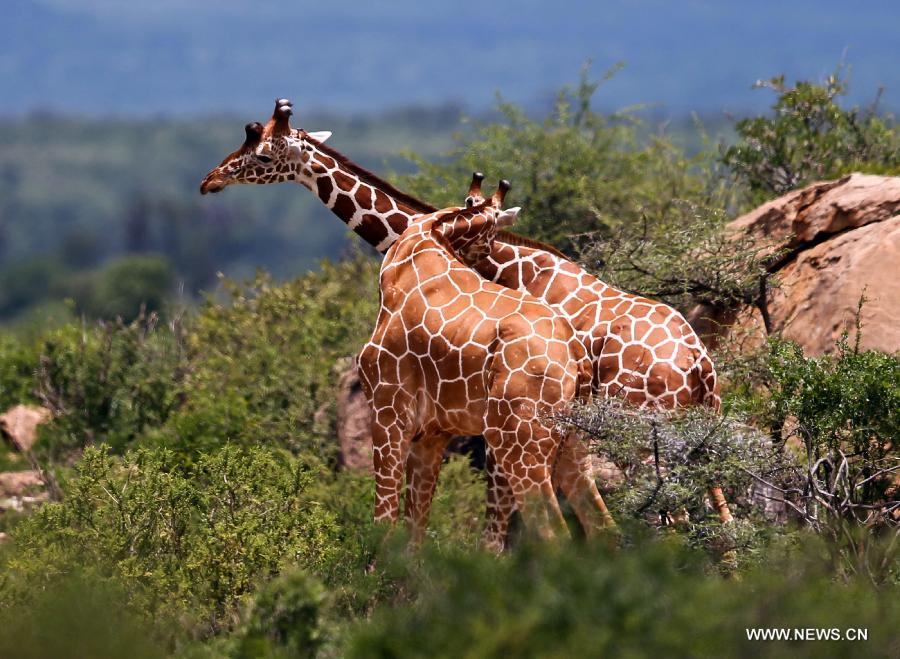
x=108 y=382
x=671 y=458
x=575 y=171
x=841 y=414
x=683 y=258
x=652 y=600
x=78 y=616
x=284 y=620
x=18 y=361
x=811 y=137
x=190 y=542
x=128 y=287
x=262 y=365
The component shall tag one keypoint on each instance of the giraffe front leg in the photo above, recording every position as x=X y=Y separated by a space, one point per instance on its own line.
x=422 y=468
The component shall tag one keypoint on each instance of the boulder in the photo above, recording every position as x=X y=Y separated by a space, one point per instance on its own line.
x=841 y=240
x=19 y=425
x=21 y=490
x=353 y=422
x=19 y=483
x=821 y=210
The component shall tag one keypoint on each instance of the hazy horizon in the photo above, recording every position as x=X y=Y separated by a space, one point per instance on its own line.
x=103 y=58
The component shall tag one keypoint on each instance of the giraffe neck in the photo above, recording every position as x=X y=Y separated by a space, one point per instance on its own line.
x=369 y=205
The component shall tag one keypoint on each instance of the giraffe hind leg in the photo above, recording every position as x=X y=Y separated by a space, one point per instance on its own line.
x=574 y=476
x=423 y=465
x=501 y=504
x=529 y=478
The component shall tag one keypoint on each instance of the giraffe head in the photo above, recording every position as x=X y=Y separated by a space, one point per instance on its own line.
x=471 y=231
x=270 y=154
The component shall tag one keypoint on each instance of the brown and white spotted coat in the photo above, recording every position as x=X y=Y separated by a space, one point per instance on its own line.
x=641 y=349
x=455 y=354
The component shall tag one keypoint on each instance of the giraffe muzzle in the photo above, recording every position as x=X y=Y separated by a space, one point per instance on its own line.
x=212 y=185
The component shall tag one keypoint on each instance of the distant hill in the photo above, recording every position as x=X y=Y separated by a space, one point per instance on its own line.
x=76 y=192
x=174 y=57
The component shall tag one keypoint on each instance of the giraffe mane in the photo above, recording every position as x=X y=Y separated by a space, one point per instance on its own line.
x=420 y=206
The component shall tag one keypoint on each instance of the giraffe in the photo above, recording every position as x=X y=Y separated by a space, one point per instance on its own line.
x=642 y=350
x=453 y=353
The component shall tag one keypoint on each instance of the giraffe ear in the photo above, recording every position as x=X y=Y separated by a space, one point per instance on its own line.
x=508 y=217
x=320 y=135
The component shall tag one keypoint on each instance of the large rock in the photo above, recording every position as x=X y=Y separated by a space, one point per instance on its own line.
x=19 y=425
x=820 y=290
x=821 y=210
x=353 y=422
x=842 y=241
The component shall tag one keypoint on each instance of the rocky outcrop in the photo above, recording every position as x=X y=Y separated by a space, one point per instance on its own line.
x=839 y=240
x=19 y=425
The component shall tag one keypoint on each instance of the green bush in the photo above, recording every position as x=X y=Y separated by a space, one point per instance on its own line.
x=18 y=362
x=77 y=616
x=575 y=171
x=671 y=458
x=841 y=414
x=127 y=288
x=107 y=383
x=262 y=364
x=190 y=543
x=652 y=599
x=285 y=618
x=810 y=137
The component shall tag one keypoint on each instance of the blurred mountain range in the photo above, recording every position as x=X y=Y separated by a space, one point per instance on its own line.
x=173 y=58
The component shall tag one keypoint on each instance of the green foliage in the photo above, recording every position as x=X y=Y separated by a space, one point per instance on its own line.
x=650 y=600
x=77 y=616
x=575 y=171
x=24 y=282
x=834 y=419
x=682 y=257
x=128 y=287
x=120 y=288
x=811 y=137
x=18 y=361
x=107 y=383
x=849 y=399
x=262 y=365
x=187 y=542
x=284 y=621
x=842 y=411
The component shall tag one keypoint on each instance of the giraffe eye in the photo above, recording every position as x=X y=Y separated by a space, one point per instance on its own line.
x=264 y=159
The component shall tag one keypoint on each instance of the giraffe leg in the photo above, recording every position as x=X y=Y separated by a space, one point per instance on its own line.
x=422 y=467
x=390 y=443
x=529 y=476
x=574 y=476
x=720 y=504
x=501 y=503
